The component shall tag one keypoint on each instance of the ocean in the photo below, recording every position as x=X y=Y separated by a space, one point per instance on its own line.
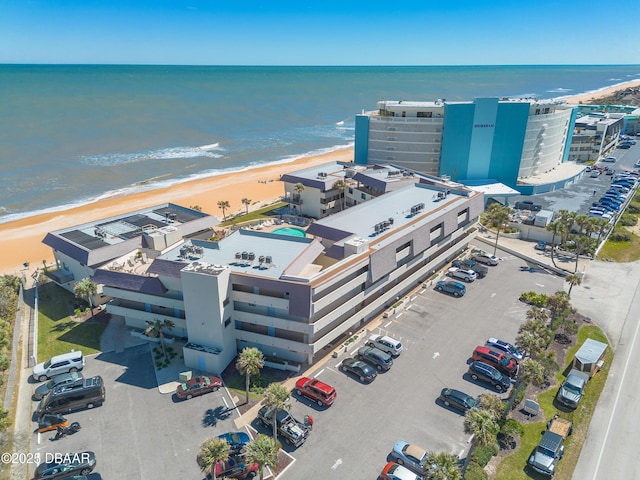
x=72 y=134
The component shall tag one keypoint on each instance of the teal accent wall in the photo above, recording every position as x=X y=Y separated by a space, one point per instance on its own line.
x=572 y=125
x=361 y=149
x=456 y=140
x=483 y=140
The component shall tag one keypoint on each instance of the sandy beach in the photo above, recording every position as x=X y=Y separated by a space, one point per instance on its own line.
x=22 y=239
x=601 y=93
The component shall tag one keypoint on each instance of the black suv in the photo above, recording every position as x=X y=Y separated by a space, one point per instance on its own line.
x=468 y=264
x=486 y=373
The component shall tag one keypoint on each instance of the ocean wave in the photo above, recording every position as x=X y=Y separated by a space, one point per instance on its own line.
x=161 y=182
x=118 y=158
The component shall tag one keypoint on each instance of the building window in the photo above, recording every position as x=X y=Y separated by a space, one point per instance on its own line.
x=227 y=322
x=271 y=331
x=362 y=196
x=225 y=302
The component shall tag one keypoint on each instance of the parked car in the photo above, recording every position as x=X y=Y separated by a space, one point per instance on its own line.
x=410 y=456
x=572 y=389
x=66 y=465
x=466 y=275
x=595 y=173
x=385 y=343
x=457 y=399
x=484 y=257
x=504 y=364
x=527 y=205
x=482 y=372
x=624 y=146
x=468 y=264
x=541 y=245
x=236 y=440
x=505 y=347
x=454 y=288
x=362 y=370
x=318 y=391
x=395 y=471
x=59 y=364
x=73 y=396
x=610 y=159
x=64 y=379
x=377 y=358
x=235 y=467
x=198 y=385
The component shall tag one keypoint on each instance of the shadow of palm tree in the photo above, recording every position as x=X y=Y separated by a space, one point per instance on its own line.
x=213 y=415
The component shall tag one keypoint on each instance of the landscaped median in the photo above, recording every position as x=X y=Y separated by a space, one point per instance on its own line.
x=514 y=466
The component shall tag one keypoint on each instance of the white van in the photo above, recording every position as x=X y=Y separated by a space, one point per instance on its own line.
x=387 y=344
x=67 y=362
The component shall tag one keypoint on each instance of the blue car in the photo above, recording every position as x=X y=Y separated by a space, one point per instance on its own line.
x=236 y=440
x=454 y=288
x=410 y=456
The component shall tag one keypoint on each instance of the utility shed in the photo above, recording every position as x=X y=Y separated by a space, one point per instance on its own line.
x=589 y=357
x=543 y=218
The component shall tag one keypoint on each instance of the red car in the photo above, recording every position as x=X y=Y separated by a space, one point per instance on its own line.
x=235 y=467
x=198 y=386
x=504 y=364
x=319 y=392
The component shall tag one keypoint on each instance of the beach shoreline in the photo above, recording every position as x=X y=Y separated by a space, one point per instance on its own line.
x=22 y=238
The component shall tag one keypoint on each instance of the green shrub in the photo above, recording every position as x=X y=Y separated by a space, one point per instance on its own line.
x=620 y=235
x=475 y=472
x=534 y=298
x=628 y=220
x=482 y=455
x=519 y=393
x=633 y=208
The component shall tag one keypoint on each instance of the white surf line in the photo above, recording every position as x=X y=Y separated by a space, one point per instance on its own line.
x=387 y=324
x=318 y=374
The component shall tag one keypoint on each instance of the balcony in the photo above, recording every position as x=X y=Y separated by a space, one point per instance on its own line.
x=60 y=276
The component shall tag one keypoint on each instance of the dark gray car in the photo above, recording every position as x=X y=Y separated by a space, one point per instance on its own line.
x=376 y=358
x=64 y=379
x=572 y=389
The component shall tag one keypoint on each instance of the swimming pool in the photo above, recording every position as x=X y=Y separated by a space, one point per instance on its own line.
x=294 y=232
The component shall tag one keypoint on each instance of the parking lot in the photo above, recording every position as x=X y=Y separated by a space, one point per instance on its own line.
x=353 y=437
x=139 y=433
x=579 y=196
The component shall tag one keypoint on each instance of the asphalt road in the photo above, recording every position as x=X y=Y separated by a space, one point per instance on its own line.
x=353 y=438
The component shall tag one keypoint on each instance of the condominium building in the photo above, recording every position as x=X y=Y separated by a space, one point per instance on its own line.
x=292 y=297
x=489 y=139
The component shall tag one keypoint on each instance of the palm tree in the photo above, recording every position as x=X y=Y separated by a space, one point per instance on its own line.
x=584 y=244
x=156 y=328
x=211 y=452
x=223 y=205
x=483 y=426
x=557 y=228
x=491 y=403
x=563 y=217
x=538 y=314
x=263 y=450
x=298 y=188
x=573 y=279
x=276 y=397
x=558 y=304
x=246 y=202
x=85 y=289
x=249 y=362
x=443 y=466
x=601 y=226
x=497 y=216
x=341 y=186
x=531 y=371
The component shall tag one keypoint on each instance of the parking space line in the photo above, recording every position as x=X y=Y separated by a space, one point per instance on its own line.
x=225 y=403
x=318 y=374
x=422 y=291
x=460 y=454
x=409 y=306
x=399 y=315
x=388 y=323
x=413 y=298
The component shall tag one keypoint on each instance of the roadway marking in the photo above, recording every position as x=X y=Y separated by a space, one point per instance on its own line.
x=225 y=403
x=539 y=285
x=399 y=315
x=413 y=298
x=422 y=291
x=318 y=374
x=388 y=323
x=353 y=351
x=436 y=355
x=615 y=403
x=409 y=306
x=39 y=438
x=337 y=464
x=493 y=295
x=460 y=454
x=470 y=439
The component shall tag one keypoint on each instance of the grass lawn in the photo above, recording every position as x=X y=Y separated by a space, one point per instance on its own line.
x=57 y=331
x=254 y=215
x=621 y=251
x=513 y=466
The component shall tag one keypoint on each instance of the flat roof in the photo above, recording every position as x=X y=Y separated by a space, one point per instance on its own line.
x=560 y=172
x=394 y=208
x=281 y=251
x=321 y=176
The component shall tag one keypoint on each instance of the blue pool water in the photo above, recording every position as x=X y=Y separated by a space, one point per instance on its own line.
x=294 y=232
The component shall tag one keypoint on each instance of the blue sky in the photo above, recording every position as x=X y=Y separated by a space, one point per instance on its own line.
x=324 y=32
